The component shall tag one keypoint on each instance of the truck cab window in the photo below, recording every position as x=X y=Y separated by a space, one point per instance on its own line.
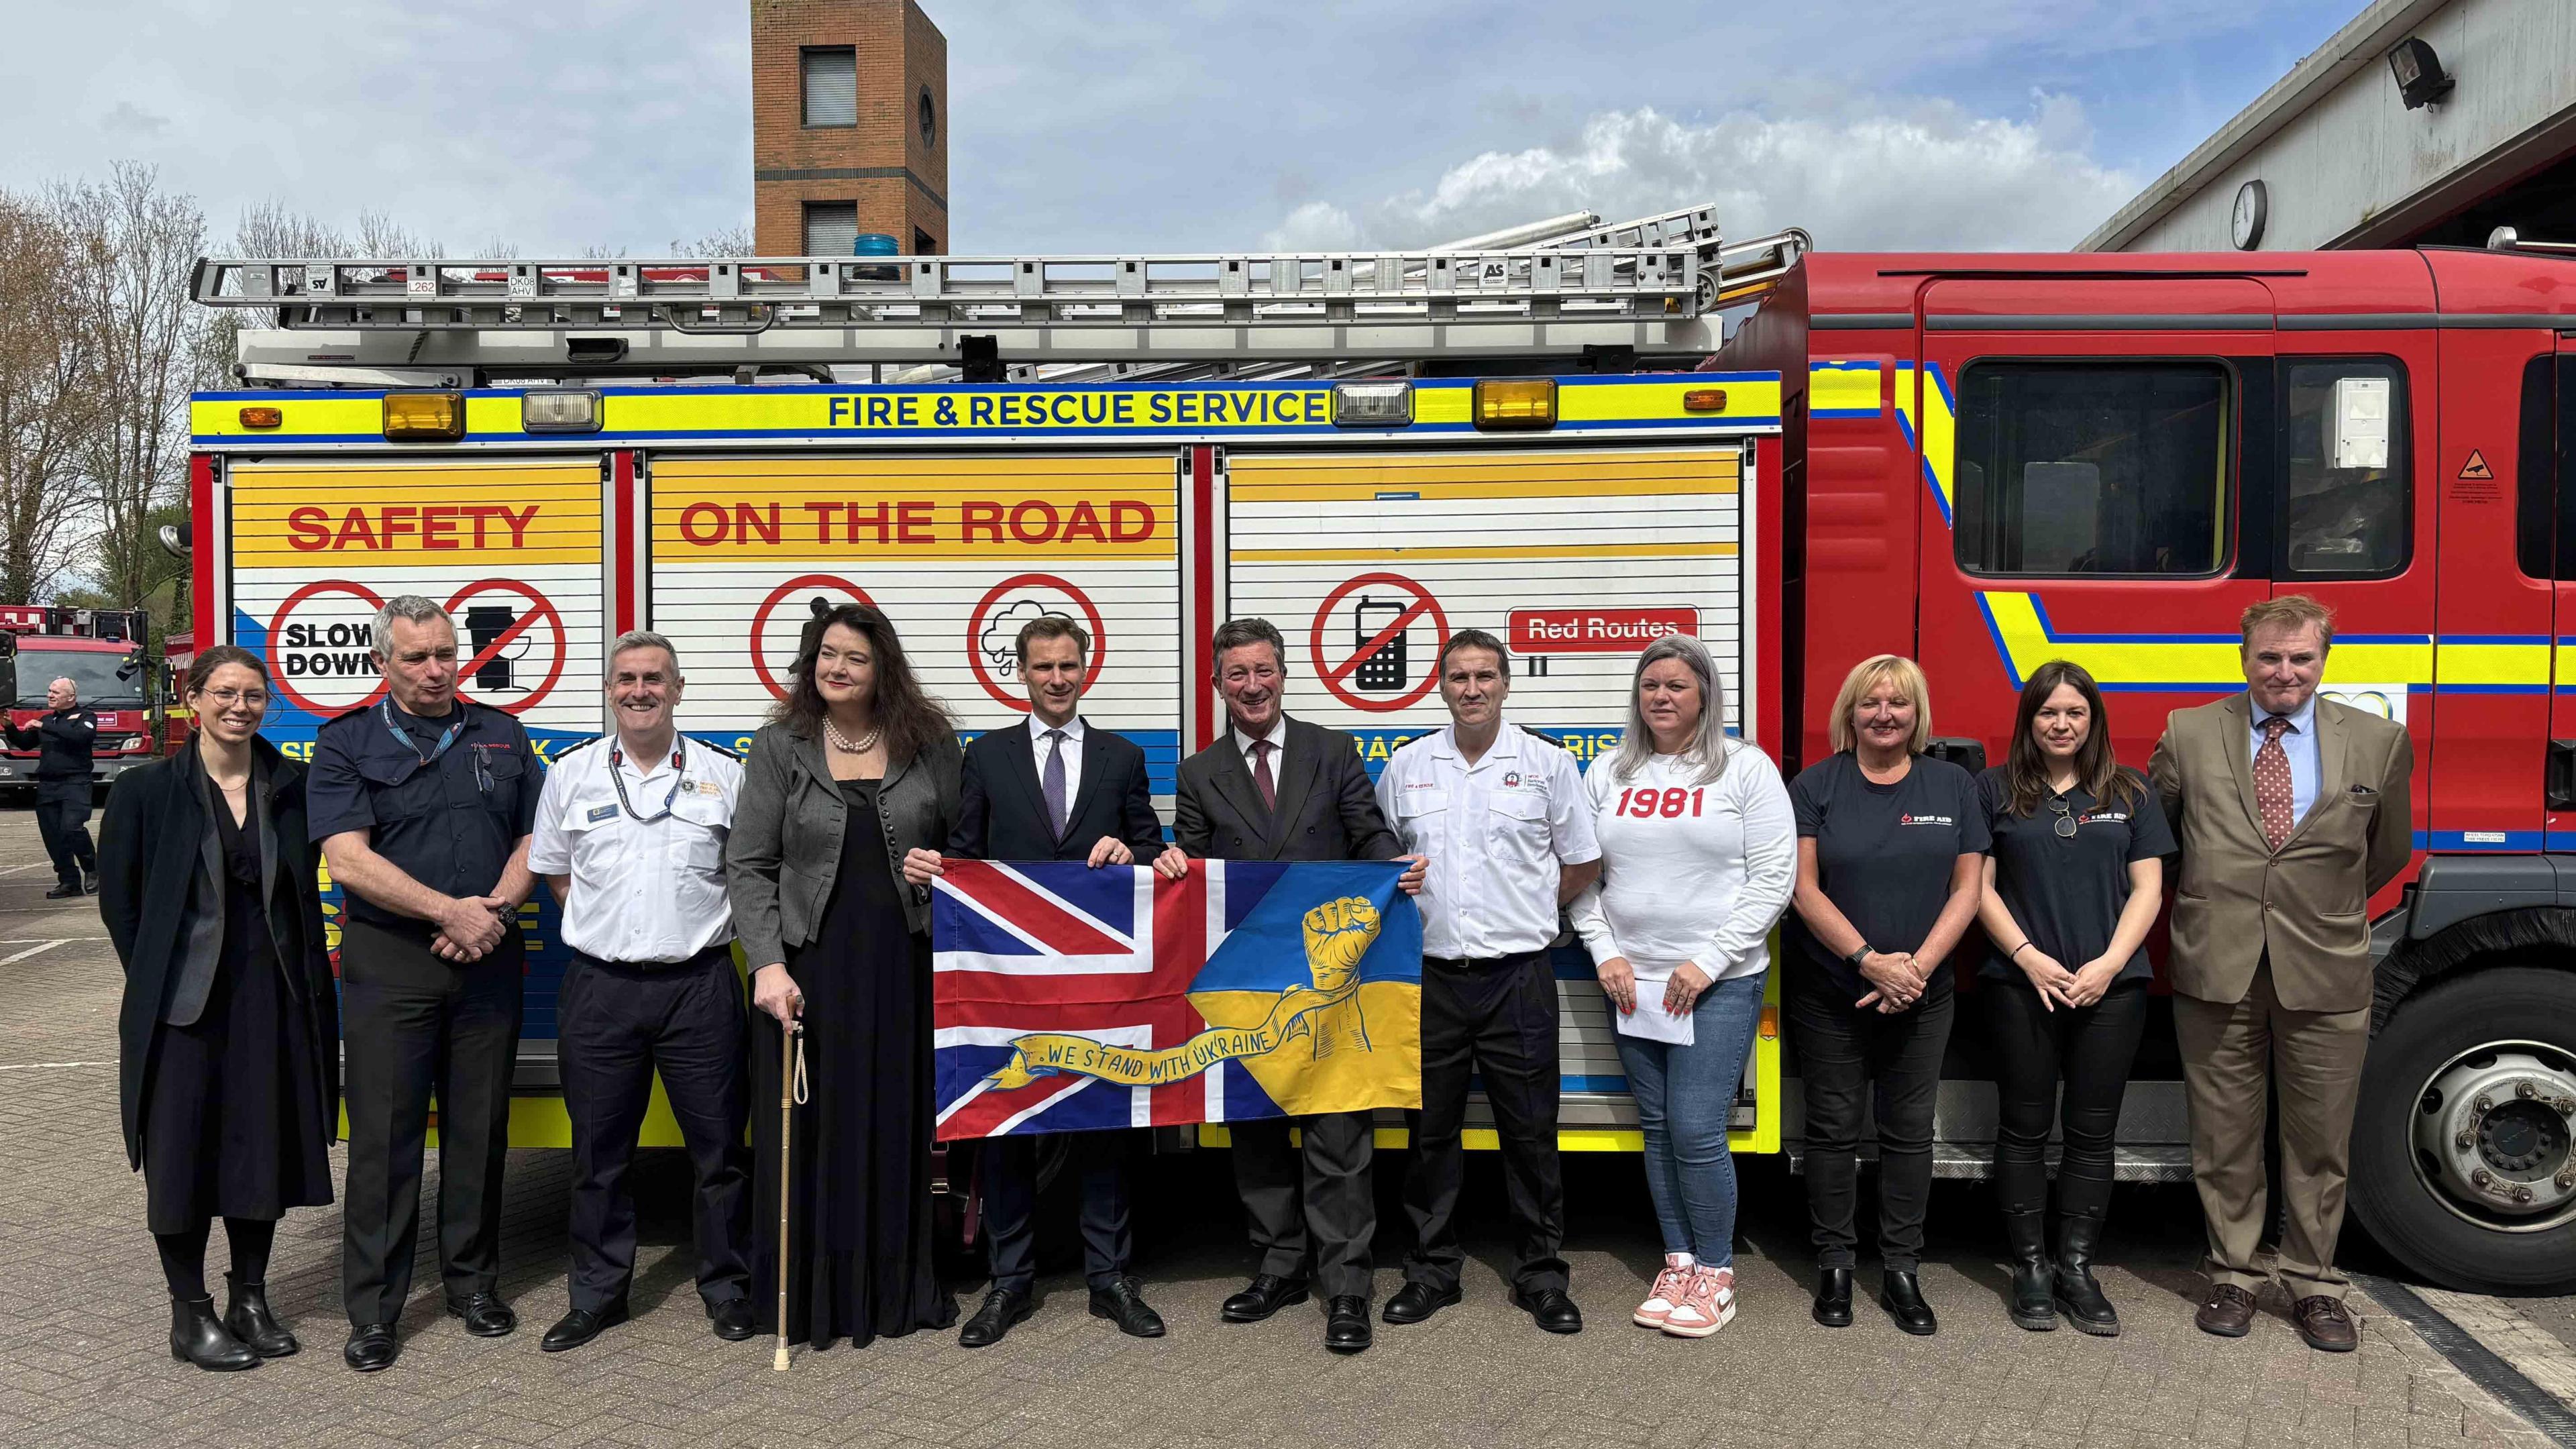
x=2080 y=468
x=2345 y=496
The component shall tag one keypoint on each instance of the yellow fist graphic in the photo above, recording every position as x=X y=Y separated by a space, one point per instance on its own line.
x=1338 y=934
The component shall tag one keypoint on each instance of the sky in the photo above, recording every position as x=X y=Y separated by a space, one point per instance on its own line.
x=1169 y=125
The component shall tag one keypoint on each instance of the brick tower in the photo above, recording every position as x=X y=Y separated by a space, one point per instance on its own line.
x=849 y=126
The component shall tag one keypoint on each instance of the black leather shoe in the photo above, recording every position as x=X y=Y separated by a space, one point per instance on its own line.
x=63 y=893
x=1121 y=1304
x=1346 y=1323
x=1265 y=1295
x=2082 y=1299
x=1902 y=1297
x=2026 y=1234
x=485 y=1315
x=1002 y=1308
x=247 y=1317
x=89 y=882
x=1833 y=1297
x=732 y=1319
x=581 y=1326
x=1415 y=1302
x=1554 y=1311
x=197 y=1337
x=371 y=1347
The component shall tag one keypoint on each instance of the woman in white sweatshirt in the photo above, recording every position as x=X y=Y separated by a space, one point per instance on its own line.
x=1699 y=853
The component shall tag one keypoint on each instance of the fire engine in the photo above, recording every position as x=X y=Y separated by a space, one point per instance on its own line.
x=1983 y=461
x=101 y=652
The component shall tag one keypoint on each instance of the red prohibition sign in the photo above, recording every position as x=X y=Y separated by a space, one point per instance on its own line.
x=1334 y=674
x=277 y=626
x=768 y=606
x=975 y=633
x=539 y=608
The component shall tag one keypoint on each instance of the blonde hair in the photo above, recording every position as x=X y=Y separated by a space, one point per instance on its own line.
x=2293 y=611
x=1893 y=671
x=1708 y=748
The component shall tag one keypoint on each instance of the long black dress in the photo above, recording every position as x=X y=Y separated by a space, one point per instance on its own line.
x=232 y=1124
x=859 y=1255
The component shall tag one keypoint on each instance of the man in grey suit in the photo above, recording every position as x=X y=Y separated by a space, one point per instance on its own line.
x=2292 y=812
x=1274 y=788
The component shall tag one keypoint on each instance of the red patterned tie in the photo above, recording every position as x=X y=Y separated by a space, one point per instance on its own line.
x=2272 y=782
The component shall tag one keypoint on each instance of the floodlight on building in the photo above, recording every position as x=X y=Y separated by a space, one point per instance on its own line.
x=2420 y=78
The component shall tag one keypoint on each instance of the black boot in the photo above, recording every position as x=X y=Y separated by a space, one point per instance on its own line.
x=247 y=1317
x=1833 y=1297
x=2077 y=1294
x=2026 y=1234
x=1901 y=1294
x=195 y=1337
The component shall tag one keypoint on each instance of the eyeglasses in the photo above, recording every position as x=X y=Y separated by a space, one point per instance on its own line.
x=2065 y=826
x=228 y=698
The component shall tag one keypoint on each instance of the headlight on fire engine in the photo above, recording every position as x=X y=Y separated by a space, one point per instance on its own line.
x=1373 y=404
x=424 y=417
x=574 y=410
x=1509 y=404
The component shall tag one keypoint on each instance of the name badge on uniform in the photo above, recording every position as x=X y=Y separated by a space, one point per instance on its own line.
x=602 y=812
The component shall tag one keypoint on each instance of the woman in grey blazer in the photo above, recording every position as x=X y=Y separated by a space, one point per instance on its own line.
x=856 y=767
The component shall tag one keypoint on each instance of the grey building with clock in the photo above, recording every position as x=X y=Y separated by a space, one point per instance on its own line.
x=2422 y=122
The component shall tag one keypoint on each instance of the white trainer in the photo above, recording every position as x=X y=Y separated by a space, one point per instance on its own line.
x=1707 y=1302
x=1669 y=1286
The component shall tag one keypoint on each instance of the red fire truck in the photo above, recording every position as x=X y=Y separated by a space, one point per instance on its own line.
x=1983 y=461
x=101 y=652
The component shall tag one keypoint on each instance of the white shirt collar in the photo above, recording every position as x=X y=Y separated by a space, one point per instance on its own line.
x=1506 y=745
x=1072 y=729
x=2303 y=720
x=1278 y=736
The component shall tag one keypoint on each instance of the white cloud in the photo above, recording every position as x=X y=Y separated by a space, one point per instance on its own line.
x=1926 y=176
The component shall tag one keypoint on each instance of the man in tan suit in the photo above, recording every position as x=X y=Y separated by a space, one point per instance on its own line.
x=2292 y=812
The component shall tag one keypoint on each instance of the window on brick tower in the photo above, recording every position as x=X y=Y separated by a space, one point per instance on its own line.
x=924 y=244
x=831 y=86
x=831 y=228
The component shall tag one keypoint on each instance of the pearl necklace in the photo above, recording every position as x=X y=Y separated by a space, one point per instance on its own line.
x=844 y=743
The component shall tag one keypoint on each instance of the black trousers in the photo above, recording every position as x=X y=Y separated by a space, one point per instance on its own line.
x=620 y=1024
x=62 y=822
x=416 y=1027
x=1893 y=1063
x=1498 y=1020
x=1098 y=1162
x=1310 y=1210
x=2087 y=1050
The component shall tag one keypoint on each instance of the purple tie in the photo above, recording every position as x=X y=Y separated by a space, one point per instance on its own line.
x=1053 y=784
x=1261 y=774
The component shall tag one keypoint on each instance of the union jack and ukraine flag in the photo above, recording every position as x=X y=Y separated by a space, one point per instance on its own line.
x=1069 y=999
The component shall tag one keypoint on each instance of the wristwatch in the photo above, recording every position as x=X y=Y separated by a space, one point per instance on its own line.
x=1855 y=959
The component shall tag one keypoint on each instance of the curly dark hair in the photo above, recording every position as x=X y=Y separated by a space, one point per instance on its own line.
x=910 y=719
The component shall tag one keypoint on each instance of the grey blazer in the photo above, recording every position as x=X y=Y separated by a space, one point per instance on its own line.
x=785 y=846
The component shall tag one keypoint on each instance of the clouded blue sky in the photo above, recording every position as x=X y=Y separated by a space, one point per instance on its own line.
x=1171 y=125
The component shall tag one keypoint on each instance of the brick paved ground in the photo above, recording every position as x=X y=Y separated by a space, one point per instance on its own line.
x=83 y=1359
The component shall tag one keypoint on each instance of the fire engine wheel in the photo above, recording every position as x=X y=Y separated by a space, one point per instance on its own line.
x=2462 y=1164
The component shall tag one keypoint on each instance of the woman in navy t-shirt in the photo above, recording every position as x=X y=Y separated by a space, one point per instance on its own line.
x=2069 y=895
x=1891 y=849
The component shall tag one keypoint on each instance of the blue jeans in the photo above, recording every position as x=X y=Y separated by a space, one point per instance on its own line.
x=1685 y=1095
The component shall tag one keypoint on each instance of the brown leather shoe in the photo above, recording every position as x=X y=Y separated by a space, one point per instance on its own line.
x=2326 y=1324
x=2228 y=1311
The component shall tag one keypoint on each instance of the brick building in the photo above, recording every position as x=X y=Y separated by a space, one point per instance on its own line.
x=849 y=126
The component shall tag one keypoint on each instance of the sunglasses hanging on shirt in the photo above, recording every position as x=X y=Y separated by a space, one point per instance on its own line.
x=2065 y=826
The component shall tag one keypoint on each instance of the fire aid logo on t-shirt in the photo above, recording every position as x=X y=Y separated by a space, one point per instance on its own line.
x=1927 y=820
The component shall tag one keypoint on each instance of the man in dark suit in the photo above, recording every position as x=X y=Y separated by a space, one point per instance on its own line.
x=1055 y=788
x=1274 y=788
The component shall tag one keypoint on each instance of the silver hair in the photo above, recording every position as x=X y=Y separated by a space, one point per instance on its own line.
x=1709 y=748
x=640 y=639
x=411 y=607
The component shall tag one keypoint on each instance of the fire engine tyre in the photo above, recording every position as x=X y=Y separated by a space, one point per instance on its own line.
x=2461 y=1163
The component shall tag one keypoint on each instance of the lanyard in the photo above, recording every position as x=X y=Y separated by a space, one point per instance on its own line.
x=386 y=707
x=617 y=777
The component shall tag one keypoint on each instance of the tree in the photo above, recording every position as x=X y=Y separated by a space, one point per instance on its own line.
x=49 y=404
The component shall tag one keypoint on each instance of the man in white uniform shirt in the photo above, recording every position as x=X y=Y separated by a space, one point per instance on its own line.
x=630 y=835
x=1503 y=817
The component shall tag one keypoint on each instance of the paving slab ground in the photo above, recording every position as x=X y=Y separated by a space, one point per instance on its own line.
x=83 y=1358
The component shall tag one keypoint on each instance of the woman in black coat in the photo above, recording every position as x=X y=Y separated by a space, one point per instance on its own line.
x=229 y=1033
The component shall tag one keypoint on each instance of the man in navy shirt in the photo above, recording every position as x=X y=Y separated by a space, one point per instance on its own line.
x=423 y=803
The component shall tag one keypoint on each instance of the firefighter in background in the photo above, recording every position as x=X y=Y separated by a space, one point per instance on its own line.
x=63 y=739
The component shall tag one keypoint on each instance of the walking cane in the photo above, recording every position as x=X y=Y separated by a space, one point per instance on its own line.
x=791 y=1090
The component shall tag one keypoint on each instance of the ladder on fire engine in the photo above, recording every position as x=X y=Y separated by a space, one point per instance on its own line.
x=1566 y=288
